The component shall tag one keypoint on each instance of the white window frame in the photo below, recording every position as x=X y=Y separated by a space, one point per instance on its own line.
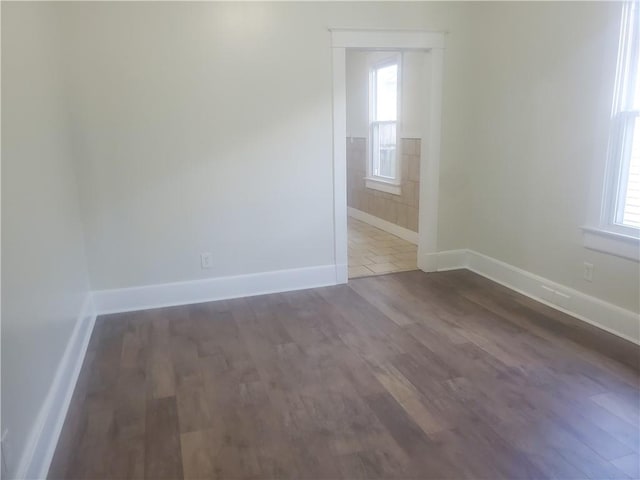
x=384 y=184
x=611 y=236
x=432 y=44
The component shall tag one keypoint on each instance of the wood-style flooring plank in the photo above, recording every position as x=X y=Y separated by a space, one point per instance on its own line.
x=163 y=457
x=409 y=375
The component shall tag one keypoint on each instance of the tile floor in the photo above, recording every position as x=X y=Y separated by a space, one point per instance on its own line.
x=373 y=251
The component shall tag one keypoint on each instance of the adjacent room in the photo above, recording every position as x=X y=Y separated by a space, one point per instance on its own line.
x=385 y=96
x=320 y=240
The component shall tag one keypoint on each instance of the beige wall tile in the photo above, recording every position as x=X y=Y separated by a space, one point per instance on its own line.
x=408 y=189
x=378 y=206
x=414 y=168
x=402 y=218
x=389 y=211
x=412 y=218
x=404 y=167
x=408 y=146
x=416 y=195
x=398 y=209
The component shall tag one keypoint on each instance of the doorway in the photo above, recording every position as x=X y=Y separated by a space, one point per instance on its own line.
x=418 y=137
x=384 y=92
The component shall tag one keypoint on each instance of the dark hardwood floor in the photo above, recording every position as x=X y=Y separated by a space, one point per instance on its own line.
x=408 y=375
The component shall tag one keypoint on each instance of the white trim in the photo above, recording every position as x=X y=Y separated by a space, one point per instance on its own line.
x=386 y=39
x=428 y=262
x=342 y=273
x=433 y=45
x=388 y=187
x=43 y=439
x=445 y=260
x=430 y=161
x=606 y=241
x=340 y=163
x=397 y=59
x=220 y=288
x=404 y=233
x=612 y=185
x=611 y=318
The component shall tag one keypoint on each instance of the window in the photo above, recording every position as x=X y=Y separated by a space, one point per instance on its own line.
x=619 y=230
x=384 y=169
x=622 y=205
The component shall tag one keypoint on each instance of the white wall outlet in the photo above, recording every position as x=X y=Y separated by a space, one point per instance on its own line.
x=588 y=271
x=206 y=260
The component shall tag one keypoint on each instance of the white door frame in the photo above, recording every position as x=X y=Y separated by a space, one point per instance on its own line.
x=433 y=44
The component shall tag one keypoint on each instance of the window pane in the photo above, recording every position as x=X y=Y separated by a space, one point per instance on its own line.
x=631 y=215
x=636 y=95
x=386 y=93
x=384 y=149
x=634 y=74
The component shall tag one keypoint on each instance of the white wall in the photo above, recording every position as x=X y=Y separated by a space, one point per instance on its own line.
x=44 y=280
x=414 y=89
x=542 y=92
x=207 y=127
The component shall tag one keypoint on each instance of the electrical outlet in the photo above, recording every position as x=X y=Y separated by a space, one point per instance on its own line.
x=588 y=271
x=206 y=259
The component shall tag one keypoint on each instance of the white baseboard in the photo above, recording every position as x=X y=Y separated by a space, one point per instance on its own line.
x=404 y=233
x=429 y=262
x=342 y=273
x=443 y=261
x=604 y=315
x=42 y=441
x=210 y=289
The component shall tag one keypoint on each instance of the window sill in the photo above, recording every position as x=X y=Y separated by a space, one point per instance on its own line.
x=618 y=244
x=382 y=185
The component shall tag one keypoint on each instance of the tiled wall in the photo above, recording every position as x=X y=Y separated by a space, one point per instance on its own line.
x=399 y=209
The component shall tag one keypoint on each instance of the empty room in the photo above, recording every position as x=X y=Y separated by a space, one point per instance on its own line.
x=320 y=240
